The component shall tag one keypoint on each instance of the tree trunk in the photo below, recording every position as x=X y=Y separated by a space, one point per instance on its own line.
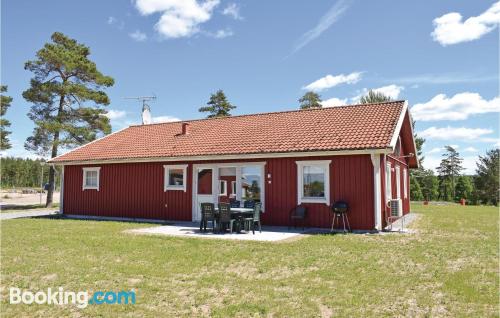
x=52 y=171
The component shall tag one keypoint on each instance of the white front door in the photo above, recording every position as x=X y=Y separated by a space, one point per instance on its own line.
x=205 y=189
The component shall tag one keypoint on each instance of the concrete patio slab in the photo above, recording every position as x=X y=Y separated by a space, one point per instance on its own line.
x=190 y=229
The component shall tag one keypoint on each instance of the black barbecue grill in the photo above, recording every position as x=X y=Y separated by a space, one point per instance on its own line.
x=339 y=210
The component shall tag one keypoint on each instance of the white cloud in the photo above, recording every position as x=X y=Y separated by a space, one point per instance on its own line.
x=435 y=150
x=332 y=102
x=165 y=119
x=116 y=114
x=433 y=161
x=458 y=107
x=393 y=91
x=330 y=81
x=324 y=23
x=180 y=18
x=138 y=36
x=115 y=22
x=450 y=29
x=470 y=149
x=232 y=10
x=220 y=34
x=453 y=133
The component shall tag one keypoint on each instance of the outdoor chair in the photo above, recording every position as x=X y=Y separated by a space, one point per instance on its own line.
x=234 y=203
x=225 y=217
x=207 y=215
x=298 y=213
x=249 y=204
x=255 y=219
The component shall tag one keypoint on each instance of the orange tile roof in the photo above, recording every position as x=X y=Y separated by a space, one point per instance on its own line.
x=369 y=126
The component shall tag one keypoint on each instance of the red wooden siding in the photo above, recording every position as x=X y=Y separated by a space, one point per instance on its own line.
x=135 y=190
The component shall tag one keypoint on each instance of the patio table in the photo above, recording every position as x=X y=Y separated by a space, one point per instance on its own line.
x=235 y=213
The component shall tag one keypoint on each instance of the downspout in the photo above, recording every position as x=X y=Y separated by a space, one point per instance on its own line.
x=377 y=192
x=61 y=192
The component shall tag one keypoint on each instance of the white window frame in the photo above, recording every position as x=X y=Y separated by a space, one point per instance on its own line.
x=233 y=188
x=324 y=164
x=223 y=194
x=405 y=183
x=388 y=182
x=166 y=178
x=84 y=182
x=398 y=182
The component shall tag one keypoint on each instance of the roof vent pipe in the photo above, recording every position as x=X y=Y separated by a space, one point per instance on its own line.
x=185 y=129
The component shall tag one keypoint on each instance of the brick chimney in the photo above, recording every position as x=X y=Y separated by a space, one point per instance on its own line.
x=185 y=129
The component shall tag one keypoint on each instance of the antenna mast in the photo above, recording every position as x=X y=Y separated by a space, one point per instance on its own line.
x=146 y=110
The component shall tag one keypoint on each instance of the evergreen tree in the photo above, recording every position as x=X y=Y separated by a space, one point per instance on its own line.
x=430 y=185
x=487 y=181
x=449 y=169
x=417 y=174
x=374 y=97
x=310 y=100
x=64 y=80
x=218 y=105
x=415 y=190
x=464 y=188
x=4 y=105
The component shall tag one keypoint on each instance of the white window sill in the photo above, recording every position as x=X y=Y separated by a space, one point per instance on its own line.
x=90 y=188
x=314 y=200
x=175 y=188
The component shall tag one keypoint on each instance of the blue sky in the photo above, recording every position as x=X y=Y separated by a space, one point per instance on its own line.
x=441 y=56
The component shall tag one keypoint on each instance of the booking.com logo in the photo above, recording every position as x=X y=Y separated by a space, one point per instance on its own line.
x=63 y=297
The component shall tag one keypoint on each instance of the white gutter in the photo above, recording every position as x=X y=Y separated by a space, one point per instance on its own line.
x=230 y=157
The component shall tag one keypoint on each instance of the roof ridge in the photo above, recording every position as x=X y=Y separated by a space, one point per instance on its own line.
x=269 y=113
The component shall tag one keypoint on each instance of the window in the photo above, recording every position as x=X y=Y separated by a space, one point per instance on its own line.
x=175 y=177
x=405 y=183
x=398 y=182
x=233 y=188
x=313 y=181
x=222 y=187
x=388 y=185
x=91 y=178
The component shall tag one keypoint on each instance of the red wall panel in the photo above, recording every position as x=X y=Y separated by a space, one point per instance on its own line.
x=135 y=190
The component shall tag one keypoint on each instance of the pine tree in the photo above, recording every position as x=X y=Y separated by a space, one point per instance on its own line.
x=464 y=188
x=487 y=181
x=374 y=97
x=218 y=105
x=64 y=81
x=310 y=100
x=430 y=185
x=4 y=105
x=449 y=169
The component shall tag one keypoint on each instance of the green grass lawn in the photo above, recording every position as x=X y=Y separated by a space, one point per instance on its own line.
x=450 y=267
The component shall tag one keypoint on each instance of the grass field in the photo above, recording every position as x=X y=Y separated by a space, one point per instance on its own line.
x=449 y=267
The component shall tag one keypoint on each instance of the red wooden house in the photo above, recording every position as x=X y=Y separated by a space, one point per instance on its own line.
x=359 y=153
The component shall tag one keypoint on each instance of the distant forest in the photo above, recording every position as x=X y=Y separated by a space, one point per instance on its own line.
x=24 y=173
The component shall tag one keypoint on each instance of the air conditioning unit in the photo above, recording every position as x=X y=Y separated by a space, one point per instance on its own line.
x=396 y=206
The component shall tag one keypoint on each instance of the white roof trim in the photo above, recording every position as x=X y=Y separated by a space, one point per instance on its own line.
x=232 y=157
x=397 y=129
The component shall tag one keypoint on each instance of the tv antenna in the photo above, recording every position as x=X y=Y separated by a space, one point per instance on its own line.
x=146 y=110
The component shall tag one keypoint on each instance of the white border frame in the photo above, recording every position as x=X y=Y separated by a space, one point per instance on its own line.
x=88 y=169
x=233 y=188
x=398 y=181
x=388 y=181
x=325 y=164
x=166 y=171
x=405 y=183
x=225 y=188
